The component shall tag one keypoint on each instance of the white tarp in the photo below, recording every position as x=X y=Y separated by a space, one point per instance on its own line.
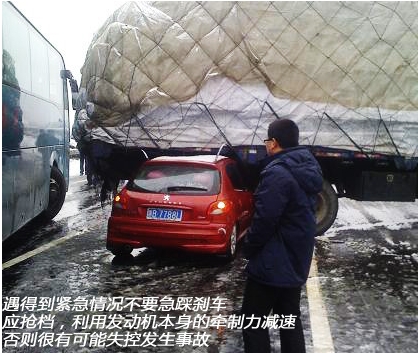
x=178 y=74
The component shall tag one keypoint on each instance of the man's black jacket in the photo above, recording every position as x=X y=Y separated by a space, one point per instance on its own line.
x=280 y=240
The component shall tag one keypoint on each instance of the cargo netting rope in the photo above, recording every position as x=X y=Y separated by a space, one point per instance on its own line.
x=192 y=74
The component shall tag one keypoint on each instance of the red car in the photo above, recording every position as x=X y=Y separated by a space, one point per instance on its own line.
x=194 y=203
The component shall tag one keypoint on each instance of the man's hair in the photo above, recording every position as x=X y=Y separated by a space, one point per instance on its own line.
x=285 y=131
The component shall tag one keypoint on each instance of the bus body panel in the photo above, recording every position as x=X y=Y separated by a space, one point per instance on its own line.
x=35 y=120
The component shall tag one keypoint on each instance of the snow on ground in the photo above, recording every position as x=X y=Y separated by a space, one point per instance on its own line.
x=367 y=215
x=74 y=167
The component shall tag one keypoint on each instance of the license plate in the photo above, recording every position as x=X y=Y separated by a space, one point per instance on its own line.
x=164 y=214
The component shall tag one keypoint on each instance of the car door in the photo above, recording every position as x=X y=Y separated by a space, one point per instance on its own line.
x=244 y=197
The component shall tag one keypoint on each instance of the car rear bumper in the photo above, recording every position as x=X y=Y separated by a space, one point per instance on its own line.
x=190 y=236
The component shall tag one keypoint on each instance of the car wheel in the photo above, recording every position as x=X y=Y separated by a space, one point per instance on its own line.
x=121 y=251
x=232 y=244
x=326 y=208
x=57 y=191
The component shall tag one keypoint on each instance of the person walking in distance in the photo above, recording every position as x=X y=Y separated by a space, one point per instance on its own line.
x=82 y=134
x=280 y=241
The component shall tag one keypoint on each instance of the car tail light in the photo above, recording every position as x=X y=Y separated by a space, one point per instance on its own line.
x=220 y=210
x=120 y=202
x=220 y=207
x=120 y=205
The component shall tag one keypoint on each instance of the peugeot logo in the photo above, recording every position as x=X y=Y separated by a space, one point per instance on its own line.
x=166 y=198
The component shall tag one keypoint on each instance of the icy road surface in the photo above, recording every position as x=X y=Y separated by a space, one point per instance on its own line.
x=364 y=293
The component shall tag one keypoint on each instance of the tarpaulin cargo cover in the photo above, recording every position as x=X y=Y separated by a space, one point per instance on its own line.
x=197 y=74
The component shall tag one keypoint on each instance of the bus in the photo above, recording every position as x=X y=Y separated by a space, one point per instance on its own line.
x=35 y=124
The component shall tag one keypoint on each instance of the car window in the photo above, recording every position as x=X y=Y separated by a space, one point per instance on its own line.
x=176 y=179
x=235 y=177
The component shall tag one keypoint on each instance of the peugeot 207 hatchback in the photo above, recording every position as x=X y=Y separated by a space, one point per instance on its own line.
x=194 y=203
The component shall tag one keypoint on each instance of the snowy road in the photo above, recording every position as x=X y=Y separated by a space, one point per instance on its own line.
x=366 y=279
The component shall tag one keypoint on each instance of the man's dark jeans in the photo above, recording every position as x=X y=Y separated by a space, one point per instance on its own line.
x=82 y=161
x=259 y=300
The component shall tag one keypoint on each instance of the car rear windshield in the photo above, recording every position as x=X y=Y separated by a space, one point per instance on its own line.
x=176 y=179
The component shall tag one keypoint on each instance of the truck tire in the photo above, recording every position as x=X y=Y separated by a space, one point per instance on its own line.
x=326 y=208
x=57 y=191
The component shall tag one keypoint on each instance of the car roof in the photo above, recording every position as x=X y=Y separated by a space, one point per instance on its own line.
x=206 y=158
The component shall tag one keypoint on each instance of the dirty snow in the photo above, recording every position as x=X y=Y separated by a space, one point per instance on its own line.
x=368 y=215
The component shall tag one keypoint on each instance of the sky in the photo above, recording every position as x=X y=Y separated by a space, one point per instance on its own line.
x=68 y=25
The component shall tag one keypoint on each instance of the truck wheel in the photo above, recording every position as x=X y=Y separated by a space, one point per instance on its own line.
x=57 y=191
x=326 y=208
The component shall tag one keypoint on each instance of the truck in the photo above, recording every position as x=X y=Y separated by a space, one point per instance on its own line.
x=166 y=78
x=357 y=175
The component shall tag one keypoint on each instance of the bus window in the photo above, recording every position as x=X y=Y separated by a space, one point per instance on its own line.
x=17 y=46
x=55 y=80
x=39 y=65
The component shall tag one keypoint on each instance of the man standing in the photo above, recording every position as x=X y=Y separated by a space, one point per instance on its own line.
x=82 y=134
x=280 y=240
x=82 y=157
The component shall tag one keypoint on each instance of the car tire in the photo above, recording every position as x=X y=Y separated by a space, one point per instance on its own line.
x=232 y=243
x=57 y=191
x=326 y=208
x=120 y=251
